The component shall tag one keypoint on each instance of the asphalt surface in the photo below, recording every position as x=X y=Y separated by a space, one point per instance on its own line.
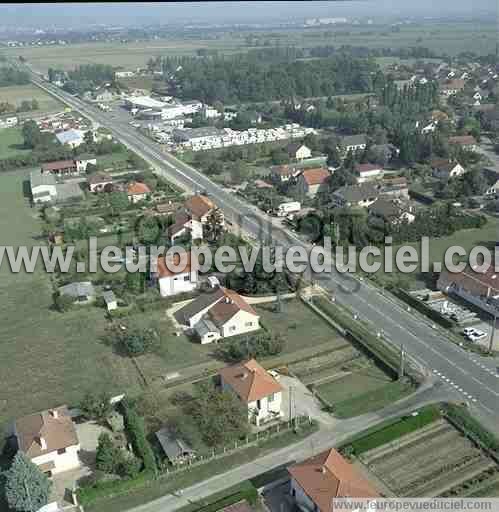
x=474 y=379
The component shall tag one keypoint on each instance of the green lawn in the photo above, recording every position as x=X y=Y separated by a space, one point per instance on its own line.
x=18 y=93
x=48 y=358
x=11 y=143
x=299 y=325
x=364 y=390
x=380 y=435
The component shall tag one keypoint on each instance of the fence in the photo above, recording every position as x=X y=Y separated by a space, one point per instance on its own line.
x=251 y=440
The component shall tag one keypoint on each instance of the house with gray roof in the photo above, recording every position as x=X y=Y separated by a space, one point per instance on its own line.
x=82 y=292
x=354 y=143
x=361 y=195
x=175 y=448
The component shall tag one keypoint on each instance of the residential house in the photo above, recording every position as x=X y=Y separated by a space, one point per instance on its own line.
x=445 y=169
x=284 y=173
x=355 y=195
x=394 y=187
x=452 y=87
x=184 y=226
x=72 y=137
x=427 y=127
x=256 y=388
x=176 y=275
x=110 y=300
x=317 y=481
x=466 y=142
x=60 y=167
x=298 y=151
x=219 y=314
x=82 y=163
x=137 y=191
x=175 y=448
x=82 y=292
x=493 y=189
x=392 y=211
x=368 y=172
x=100 y=182
x=8 y=122
x=310 y=181
x=49 y=440
x=478 y=288
x=353 y=143
x=43 y=187
x=196 y=214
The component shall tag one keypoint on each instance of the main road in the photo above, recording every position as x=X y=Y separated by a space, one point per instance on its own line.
x=474 y=378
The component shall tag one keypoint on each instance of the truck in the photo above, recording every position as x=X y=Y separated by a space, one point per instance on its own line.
x=285 y=209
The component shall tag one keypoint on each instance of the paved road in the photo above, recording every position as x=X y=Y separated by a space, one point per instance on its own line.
x=453 y=366
x=327 y=437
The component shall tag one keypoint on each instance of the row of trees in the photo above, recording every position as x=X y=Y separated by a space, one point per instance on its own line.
x=242 y=79
x=13 y=76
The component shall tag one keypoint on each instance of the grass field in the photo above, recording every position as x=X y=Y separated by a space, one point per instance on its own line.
x=11 y=142
x=443 y=38
x=300 y=326
x=17 y=94
x=364 y=390
x=48 y=358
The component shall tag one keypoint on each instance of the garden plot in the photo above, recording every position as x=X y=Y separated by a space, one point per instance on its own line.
x=429 y=462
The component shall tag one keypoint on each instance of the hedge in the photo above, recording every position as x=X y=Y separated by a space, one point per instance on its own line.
x=244 y=491
x=137 y=433
x=460 y=415
x=423 y=308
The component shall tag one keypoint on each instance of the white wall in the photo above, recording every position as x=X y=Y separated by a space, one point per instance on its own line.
x=63 y=462
x=266 y=409
x=44 y=188
x=177 y=284
x=238 y=324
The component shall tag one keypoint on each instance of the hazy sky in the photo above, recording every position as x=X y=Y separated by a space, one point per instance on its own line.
x=218 y=12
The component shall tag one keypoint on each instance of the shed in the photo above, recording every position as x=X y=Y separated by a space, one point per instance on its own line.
x=174 y=448
x=81 y=292
x=110 y=300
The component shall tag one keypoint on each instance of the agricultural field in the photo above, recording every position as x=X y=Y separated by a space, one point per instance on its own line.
x=436 y=460
x=11 y=143
x=59 y=356
x=15 y=95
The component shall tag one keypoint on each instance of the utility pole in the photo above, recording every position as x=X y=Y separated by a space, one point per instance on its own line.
x=290 y=402
x=402 y=362
x=492 y=334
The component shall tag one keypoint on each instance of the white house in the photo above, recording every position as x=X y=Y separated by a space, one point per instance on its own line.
x=317 y=481
x=82 y=163
x=299 y=151
x=368 y=172
x=185 y=225
x=219 y=314
x=110 y=300
x=49 y=439
x=199 y=209
x=176 y=275
x=256 y=388
x=8 y=122
x=43 y=187
x=99 y=181
x=446 y=169
x=137 y=191
x=493 y=189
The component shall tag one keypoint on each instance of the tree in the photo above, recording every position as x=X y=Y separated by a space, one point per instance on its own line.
x=88 y=138
x=134 y=341
x=96 y=406
x=27 y=489
x=107 y=456
x=118 y=201
x=134 y=282
x=214 y=224
x=148 y=229
x=31 y=134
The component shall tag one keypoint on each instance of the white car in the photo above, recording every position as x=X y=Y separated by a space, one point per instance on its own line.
x=476 y=335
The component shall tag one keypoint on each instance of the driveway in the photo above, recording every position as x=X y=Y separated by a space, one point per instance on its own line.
x=303 y=402
x=63 y=483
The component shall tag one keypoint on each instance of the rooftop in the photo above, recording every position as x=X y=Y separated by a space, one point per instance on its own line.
x=250 y=381
x=199 y=205
x=137 y=188
x=328 y=476
x=315 y=176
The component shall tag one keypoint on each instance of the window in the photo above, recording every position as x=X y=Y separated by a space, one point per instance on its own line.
x=232 y=328
x=258 y=404
x=61 y=451
x=187 y=277
x=248 y=324
x=271 y=397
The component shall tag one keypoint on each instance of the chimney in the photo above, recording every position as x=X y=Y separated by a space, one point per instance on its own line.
x=43 y=443
x=54 y=413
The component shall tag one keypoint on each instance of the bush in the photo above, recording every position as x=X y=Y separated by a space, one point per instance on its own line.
x=134 y=341
x=137 y=433
x=255 y=346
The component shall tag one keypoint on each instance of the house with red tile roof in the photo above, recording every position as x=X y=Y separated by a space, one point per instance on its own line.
x=137 y=191
x=256 y=388
x=219 y=314
x=49 y=440
x=176 y=274
x=317 y=481
x=310 y=181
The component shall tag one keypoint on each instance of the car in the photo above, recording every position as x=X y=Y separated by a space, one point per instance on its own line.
x=468 y=330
